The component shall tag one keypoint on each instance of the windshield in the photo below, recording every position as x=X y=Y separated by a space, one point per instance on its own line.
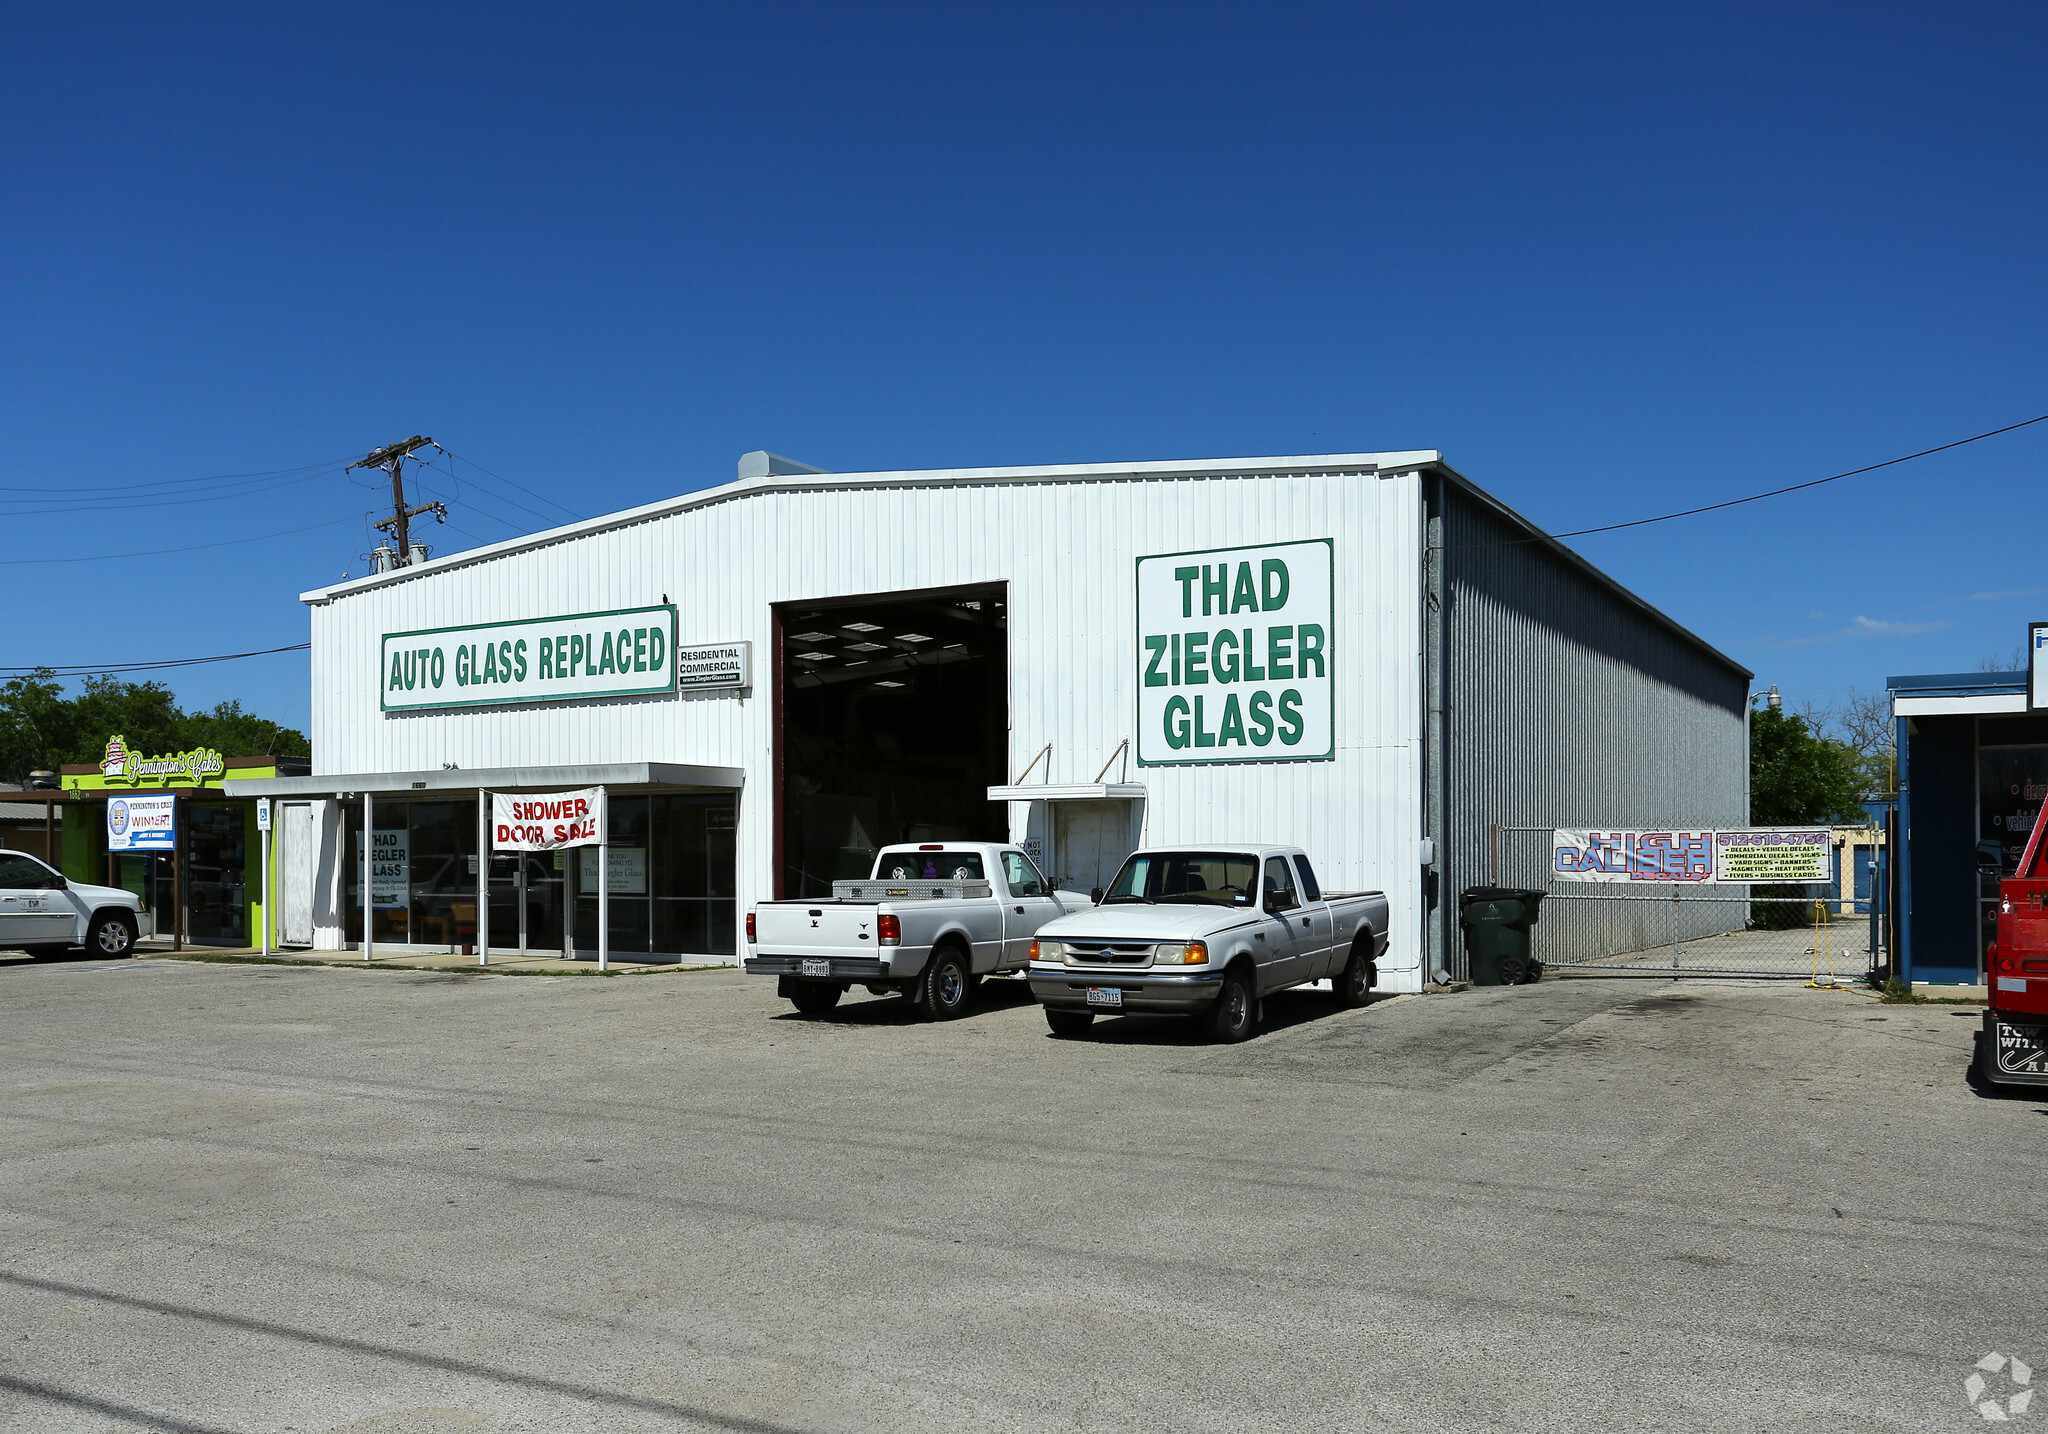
x=1191 y=878
x=929 y=866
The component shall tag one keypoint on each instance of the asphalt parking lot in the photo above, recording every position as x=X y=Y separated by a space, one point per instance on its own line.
x=296 y=1199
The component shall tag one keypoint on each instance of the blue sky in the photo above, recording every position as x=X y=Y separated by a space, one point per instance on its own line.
x=1612 y=262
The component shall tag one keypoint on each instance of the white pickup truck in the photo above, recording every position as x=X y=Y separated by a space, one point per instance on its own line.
x=45 y=913
x=931 y=922
x=1207 y=932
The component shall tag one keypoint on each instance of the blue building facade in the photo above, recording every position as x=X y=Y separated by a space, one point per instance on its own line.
x=1973 y=772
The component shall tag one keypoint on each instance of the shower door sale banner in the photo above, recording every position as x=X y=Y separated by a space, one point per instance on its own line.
x=1236 y=657
x=547 y=822
x=629 y=652
x=1730 y=857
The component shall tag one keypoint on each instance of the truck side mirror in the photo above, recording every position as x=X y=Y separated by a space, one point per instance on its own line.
x=1095 y=897
x=1278 y=901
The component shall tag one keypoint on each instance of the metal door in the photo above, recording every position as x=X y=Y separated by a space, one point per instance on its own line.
x=298 y=857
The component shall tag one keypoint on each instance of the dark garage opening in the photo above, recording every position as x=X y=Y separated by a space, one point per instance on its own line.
x=892 y=722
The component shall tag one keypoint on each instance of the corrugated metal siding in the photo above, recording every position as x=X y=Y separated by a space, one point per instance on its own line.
x=1066 y=548
x=1567 y=705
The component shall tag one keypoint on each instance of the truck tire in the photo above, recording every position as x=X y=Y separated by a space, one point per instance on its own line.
x=1066 y=1021
x=944 y=989
x=1235 y=1013
x=1354 y=983
x=814 y=998
x=111 y=935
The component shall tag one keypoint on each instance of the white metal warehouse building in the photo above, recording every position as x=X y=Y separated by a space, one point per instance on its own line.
x=1363 y=654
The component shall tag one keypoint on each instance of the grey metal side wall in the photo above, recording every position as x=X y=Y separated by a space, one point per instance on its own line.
x=1563 y=704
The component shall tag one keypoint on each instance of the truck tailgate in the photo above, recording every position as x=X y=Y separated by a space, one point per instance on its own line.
x=816 y=928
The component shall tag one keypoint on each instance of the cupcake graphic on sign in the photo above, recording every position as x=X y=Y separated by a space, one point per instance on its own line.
x=115 y=763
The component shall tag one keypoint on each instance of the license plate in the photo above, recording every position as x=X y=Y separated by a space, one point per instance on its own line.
x=1105 y=996
x=2022 y=1050
x=817 y=968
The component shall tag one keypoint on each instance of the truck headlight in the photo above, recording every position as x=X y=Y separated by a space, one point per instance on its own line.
x=1173 y=953
x=1048 y=951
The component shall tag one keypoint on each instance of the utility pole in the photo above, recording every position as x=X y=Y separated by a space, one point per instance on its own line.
x=392 y=459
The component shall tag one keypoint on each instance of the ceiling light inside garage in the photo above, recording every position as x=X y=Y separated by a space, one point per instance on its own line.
x=861 y=626
x=911 y=637
x=814 y=656
x=815 y=637
x=864 y=647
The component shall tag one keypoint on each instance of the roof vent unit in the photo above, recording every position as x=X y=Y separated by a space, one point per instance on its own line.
x=763 y=464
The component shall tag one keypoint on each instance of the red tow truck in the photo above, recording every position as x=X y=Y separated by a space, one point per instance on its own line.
x=2014 y=1050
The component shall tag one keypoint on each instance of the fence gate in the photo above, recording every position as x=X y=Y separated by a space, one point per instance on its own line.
x=1693 y=929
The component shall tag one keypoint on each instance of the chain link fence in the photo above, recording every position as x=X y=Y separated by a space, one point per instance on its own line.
x=1788 y=931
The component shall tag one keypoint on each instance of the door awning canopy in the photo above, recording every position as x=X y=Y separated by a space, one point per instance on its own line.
x=1070 y=792
x=674 y=776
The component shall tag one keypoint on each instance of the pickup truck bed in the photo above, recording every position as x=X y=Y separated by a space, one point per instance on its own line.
x=930 y=937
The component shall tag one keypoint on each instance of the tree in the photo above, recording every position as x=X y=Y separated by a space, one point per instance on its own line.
x=41 y=728
x=1797 y=776
x=1864 y=722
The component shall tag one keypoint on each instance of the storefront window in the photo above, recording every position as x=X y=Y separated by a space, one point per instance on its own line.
x=216 y=851
x=672 y=873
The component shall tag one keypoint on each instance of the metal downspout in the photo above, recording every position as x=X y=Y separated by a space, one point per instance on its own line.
x=1436 y=729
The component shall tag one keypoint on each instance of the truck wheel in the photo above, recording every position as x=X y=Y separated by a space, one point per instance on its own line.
x=814 y=998
x=1354 y=983
x=943 y=991
x=1235 y=1013
x=111 y=935
x=1065 y=1021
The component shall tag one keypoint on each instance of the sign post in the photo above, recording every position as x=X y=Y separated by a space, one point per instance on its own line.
x=483 y=878
x=263 y=840
x=369 y=911
x=521 y=822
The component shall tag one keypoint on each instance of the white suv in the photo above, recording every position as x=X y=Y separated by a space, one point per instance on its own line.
x=44 y=912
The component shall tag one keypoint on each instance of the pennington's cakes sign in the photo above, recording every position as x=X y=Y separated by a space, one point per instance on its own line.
x=199 y=765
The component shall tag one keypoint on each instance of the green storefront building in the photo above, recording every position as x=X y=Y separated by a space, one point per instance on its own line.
x=207 y=890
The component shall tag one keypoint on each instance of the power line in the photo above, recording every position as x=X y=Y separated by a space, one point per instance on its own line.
x=95 y=669
x=76 y=491
x=44 y=508
x=1778 y=492
x=194 y=548
x=510 y=484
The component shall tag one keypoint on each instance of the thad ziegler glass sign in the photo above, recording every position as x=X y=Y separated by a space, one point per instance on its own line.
x=1236 y=659
x=629 y=652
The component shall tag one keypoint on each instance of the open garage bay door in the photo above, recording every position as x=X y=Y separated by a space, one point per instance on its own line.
x=892 y=721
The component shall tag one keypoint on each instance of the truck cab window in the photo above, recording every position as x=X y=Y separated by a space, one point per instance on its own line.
x=1311 y=889
x=931 y=866
x=1021 y=875
x=1280 y=886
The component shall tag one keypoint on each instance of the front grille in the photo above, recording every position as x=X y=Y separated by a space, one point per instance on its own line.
x=1110 y=953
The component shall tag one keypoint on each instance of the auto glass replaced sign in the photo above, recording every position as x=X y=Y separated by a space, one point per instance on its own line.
x=628 y=652
x=1236 y=656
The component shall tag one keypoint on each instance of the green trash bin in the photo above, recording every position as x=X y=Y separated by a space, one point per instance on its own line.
x=1496 y=922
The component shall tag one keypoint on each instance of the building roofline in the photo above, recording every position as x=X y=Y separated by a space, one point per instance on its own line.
x=1539 y=538
x=1957 y=684
x=1400 y=461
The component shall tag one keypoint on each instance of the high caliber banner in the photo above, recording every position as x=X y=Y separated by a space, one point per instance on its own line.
x=1735 y=856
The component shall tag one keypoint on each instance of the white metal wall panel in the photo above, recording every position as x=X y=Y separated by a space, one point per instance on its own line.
x=1066 y=543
